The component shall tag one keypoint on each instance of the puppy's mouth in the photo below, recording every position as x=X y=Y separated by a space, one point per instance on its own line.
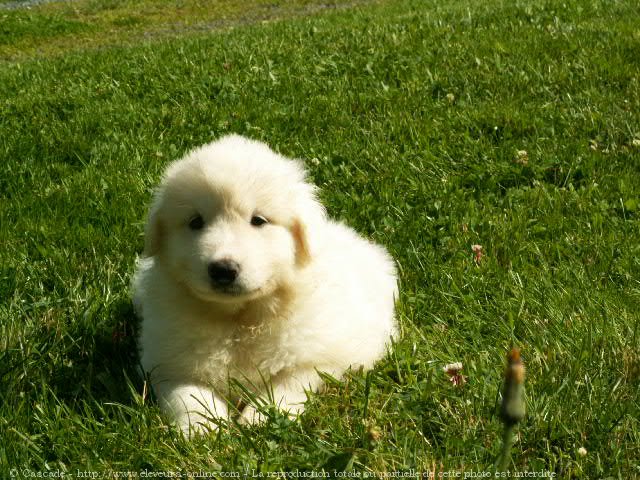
x=233 y=290
x=227 y=294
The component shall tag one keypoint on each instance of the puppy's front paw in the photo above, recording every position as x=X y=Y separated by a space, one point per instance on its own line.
x=195 y=425
x=251 y=416
x=194 y=410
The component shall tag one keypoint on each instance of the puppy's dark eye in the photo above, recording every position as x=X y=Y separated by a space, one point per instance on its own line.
x=258 y=220
x=196 y=223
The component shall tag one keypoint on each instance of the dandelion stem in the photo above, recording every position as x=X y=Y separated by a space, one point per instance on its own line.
x=512 y=409
x=507 y=443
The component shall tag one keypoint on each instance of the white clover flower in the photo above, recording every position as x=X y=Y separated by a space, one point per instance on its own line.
x=452 y=367
x=453 y=371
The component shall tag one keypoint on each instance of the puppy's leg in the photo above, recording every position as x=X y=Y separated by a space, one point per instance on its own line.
x=289 y=394
x=191 y=407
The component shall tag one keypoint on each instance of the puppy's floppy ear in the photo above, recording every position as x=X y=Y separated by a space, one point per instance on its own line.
x=306 y=226
x=153 y=230
x=300 y=238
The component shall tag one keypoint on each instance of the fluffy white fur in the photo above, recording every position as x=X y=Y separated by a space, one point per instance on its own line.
x=310 y=294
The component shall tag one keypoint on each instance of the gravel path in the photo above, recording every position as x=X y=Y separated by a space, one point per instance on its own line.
x=23 y=4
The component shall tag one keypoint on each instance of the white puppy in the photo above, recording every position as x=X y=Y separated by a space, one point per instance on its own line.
x=244 y=277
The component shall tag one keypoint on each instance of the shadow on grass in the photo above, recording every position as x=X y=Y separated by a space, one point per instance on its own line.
x=113 y=362
x=81 y=367
x=101 y=364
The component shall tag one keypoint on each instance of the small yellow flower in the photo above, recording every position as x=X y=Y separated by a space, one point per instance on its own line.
x=522 y=157
x=374 y=434
x=582 y=452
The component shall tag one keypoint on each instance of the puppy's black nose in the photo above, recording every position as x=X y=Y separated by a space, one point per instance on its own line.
x=223 y=272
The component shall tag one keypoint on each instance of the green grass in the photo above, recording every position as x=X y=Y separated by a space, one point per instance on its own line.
x=410 y=116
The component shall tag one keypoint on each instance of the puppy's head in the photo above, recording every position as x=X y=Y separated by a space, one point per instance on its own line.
x=233 y=220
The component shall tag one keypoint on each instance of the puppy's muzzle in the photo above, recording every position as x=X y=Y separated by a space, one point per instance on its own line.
x=223 y=272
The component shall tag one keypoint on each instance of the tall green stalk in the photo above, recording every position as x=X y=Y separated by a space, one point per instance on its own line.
x=512 y=410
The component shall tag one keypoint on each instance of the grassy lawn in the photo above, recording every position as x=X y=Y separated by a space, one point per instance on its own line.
x=430 y=126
